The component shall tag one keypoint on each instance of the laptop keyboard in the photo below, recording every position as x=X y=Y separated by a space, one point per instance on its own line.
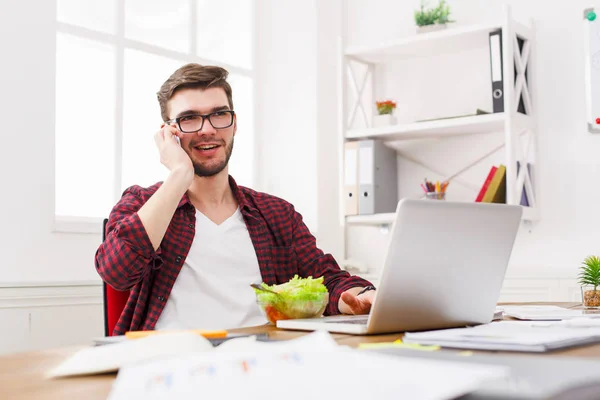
x=358 y=320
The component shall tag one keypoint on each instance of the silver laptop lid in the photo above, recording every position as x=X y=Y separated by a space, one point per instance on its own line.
x=445 y=264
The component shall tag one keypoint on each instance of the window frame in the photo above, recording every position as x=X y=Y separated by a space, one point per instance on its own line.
x=86 y=224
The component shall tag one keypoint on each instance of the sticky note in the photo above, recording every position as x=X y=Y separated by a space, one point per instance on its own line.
x=399 y=344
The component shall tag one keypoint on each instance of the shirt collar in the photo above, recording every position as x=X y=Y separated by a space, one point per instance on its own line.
x=184 y=200
x=244 y=204
x=243 y=201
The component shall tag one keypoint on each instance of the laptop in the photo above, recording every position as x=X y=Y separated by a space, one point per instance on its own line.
x=444 y=268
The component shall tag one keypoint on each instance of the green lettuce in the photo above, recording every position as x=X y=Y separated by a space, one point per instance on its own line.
x=296 y=298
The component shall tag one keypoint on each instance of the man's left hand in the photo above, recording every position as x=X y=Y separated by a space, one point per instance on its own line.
x=350 y=303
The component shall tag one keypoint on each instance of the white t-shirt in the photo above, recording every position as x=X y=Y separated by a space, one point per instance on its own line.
x=213 y=289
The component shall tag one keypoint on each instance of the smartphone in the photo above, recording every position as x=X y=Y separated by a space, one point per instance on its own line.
x=176 y=137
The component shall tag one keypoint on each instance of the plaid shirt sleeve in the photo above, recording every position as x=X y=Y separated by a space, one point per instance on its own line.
x=313 y=262
x=126 y=255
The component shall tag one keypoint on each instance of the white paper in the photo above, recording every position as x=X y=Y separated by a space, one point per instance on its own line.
x=111 y=357
x=511 y=335
x=310 y=367
x=547 y=313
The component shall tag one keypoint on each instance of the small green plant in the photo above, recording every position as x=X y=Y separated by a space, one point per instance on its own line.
x=590 y=272
x=444 y=12
x=430 y=16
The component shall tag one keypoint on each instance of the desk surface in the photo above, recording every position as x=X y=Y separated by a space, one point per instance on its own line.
x=21 y=375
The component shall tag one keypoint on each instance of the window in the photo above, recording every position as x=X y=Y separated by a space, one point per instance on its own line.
x=111 y=58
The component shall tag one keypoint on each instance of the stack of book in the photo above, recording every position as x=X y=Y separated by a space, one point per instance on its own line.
x=493 y=189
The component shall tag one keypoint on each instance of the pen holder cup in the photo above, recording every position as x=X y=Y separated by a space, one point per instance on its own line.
x=435 y=195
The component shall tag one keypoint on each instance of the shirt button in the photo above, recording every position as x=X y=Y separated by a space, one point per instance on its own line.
x=161 y=298
x=178 y=259
x=190 y=226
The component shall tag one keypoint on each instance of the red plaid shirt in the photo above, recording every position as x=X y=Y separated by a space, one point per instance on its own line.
x=284 y=246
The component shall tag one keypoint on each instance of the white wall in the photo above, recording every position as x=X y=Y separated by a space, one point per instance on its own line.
x=31 y=252
x=567 y=161
x=330 y=234
x=50 y=293
x=48 y=316
x=297 y=53
x=286 y=103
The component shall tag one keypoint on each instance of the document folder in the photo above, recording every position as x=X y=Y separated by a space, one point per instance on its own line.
x=377 y=178
x=351 y=178
x=496 y=67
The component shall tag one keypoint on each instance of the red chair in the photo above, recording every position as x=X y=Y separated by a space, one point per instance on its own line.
x=114 y=300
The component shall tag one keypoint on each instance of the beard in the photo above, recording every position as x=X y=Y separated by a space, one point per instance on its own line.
x=202 y=170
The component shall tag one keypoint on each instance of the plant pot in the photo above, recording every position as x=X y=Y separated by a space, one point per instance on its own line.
x=431 y=28
x=590 y=297
x=383 y=120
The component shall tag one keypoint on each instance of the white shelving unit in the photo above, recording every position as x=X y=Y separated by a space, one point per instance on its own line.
x=529 y=214
x=439 y=129
x=450 y=40
x=515 y=125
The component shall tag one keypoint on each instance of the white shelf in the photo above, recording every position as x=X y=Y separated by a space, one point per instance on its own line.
x=529 y=214
x=477 y=124
x=372 y=219
x=450 y=40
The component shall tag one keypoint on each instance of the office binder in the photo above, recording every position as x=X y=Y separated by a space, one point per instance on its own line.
x=496 y=69
x=377 y=178
x=351 y=178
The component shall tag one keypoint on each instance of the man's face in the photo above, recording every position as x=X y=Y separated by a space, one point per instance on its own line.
x=209 y=148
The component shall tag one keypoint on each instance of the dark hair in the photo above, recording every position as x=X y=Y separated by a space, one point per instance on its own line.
x=193 y=76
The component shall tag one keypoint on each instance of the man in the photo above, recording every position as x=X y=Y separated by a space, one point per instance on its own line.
x=189 y=247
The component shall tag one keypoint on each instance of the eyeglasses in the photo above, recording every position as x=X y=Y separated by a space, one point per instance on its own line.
x=194 y=122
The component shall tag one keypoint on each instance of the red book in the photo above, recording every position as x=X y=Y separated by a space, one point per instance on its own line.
x=486 y=184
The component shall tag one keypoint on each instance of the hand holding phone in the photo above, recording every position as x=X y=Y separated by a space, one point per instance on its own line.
x=172 y=154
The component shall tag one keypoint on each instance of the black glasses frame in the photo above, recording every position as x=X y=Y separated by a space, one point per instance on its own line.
x=204 y=118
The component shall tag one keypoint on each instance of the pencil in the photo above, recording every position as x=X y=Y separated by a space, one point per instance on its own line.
x=206 y=334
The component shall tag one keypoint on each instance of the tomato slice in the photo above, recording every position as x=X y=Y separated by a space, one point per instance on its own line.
x=274 y=315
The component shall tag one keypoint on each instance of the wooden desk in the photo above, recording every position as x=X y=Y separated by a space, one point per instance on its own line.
x=22 y=375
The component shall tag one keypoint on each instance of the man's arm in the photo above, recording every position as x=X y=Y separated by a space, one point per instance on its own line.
x=135 y=229
x=127 y=254
x=313 y=262
x=158 y=211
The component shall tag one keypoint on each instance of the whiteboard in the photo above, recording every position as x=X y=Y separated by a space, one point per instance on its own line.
x=591 y=22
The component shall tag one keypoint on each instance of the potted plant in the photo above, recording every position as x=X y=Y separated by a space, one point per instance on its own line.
x=432 y=19
x=589 y=279
x=385 y=113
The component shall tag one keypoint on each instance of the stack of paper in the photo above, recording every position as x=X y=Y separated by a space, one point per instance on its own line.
x=309 y=367
x=110 y=358
x=547 y=313
x=513 y=336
